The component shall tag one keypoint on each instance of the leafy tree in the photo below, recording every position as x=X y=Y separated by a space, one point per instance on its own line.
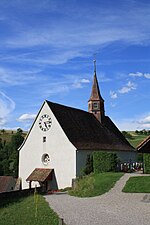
x=19 y=130
x=5 y=164
x=127 y=135
x=137 y=132
x=89 y=164
x=9 y=156
x=1 y=169
x=3 y=131
x=15 y=143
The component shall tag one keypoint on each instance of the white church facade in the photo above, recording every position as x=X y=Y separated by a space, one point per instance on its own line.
x=56 y=147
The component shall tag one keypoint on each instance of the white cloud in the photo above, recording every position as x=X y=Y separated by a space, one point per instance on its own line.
x=144 y=122
x=126 y=124
x=7 y=105
x=147 y=75
x=113 y=94
x=127 y=88
x=13 y=77
x=146 y=119
x=138 y=123
x=140 y=74
x=63 y=85
x=85 y=81
x=26 y=117
x=79 y=83
x=137 y=74
x=124 y=90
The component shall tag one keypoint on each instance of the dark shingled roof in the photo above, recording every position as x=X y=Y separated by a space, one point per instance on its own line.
x=144 y=146
x=7 y=183
x=39 y=174
x=85 y=132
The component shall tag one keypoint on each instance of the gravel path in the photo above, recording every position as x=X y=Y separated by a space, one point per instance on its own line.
x=111 y=208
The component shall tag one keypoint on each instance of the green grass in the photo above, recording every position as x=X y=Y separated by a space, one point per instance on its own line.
x=23 y=212
x=95 y=184
x=136 y=138
x=137 y=185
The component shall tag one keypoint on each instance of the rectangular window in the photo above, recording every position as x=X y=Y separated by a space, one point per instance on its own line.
x=44 y=139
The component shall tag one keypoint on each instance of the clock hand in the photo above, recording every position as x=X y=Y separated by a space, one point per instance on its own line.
x=45 y=123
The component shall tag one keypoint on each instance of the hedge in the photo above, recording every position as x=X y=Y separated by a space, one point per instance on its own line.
x=146 y=159
x=104 y=162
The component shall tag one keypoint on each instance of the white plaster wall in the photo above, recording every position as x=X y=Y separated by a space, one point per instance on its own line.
x=61 y=151
x=127 y=157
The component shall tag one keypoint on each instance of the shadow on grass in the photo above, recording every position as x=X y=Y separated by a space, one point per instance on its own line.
x=8 y=201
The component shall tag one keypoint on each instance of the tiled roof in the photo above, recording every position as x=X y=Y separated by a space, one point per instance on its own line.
x=39 y=174
x=85 y=132
x=7 y=183
x=144 y=146
x=95 y=94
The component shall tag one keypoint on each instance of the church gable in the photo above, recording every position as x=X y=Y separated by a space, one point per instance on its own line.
x=44 y=125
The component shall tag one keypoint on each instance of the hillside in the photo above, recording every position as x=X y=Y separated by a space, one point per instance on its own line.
x=6 y=135
x=136 y=139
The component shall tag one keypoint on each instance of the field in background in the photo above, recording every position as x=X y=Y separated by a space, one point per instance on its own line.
x=5 y=135
x=136 y=138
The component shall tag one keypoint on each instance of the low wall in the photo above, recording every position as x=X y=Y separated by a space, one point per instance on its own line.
x=18 y=194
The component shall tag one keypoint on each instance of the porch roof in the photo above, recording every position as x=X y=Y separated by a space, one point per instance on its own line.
x=144 y=146
x=39 y=174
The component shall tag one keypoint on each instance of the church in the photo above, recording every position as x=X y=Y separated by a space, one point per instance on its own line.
x=60 y=138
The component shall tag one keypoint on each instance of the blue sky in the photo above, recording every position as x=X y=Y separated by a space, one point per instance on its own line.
x=47 y=49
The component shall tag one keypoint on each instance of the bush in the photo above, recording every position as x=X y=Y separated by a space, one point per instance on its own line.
x=146 y=158
x=89 y=165
x=127 y=135
x=104 y=162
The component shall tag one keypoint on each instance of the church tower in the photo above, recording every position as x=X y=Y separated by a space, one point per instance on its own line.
x=96 y=102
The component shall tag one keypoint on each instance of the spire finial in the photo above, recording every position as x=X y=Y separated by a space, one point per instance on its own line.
x=94 y=63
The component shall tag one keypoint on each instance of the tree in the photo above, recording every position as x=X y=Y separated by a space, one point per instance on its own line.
x=3 y=131
x=89 y=164
x=19 y=130
x=127 y=135
x=137 y=132
x=145 y=132
x=15 y=143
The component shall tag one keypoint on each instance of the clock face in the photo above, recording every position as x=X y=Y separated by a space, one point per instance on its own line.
x=45 y=122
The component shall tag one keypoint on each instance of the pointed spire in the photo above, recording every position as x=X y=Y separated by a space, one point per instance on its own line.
x=96 y=102
x=94 y=65
x=95 y=94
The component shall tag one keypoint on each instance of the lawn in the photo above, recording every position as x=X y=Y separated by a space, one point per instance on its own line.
x=136 y=138
x=137 y=185
x=95 y=184
x=28 y=211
